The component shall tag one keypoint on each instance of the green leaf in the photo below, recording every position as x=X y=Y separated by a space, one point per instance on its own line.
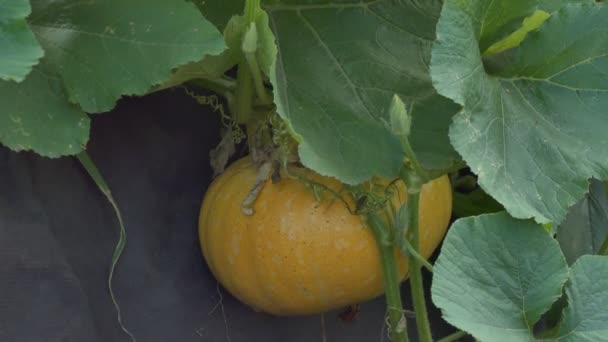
x=219 y=12
x=36 y=116
x=19 y=50
x=554 y=5
x=105 y=49
x=338 y=66
x=585 y=319
x=533 y=129
x=431 y=119
x=586 y=225
x=497 y=275
x=213 y=66
x=94 y=56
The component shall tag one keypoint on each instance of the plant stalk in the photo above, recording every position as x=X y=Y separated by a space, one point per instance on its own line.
x=409 y=152
x=220 y=86
x=417 y=287
x=414 y=254
x=415 y=177
x=246 y=80
x=251 y=10
x=258 y=81
x=453 y=337
x=244 y=94
x=397 y=322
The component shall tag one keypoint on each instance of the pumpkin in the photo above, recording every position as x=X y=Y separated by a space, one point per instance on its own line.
x=297 y=255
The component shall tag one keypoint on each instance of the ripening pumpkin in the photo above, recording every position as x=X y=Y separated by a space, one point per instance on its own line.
x=296 y=255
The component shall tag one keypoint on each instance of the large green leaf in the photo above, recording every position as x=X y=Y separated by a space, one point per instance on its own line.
x=430 y=140
x=554 y=5
x=19 y=50
x=105 y=49
x=338 y=67
x=35 y=115
x=497 y=275
x=586 y=225
x=585 y=319
x=533 y=129
x=96 y=51
x=219 y=12
x=214 y=66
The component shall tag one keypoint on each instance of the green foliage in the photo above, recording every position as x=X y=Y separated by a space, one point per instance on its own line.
x=586 y=226
x=337 y=69
x=92 y=58
x=19 y=50
x=554 y=5
x=219 y=12
x=497 y=275
x=586 y=317
x=516 y=89
x=37 y=116
x=101 y=57
x=533 y=126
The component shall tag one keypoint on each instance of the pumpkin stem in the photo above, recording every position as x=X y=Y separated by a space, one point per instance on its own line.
x=264 y=173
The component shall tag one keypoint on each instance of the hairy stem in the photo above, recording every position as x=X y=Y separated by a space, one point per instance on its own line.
x=415 y=177
x=397 y=322
x=414 y=254
x=244 y=94
x=453 y=337
x=422 y=320
x=251 y=9
x=409 y=152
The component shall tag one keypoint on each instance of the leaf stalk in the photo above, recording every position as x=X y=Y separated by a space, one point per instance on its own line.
x=415 y=177
x=249 y=47
x=415 y=266
x=453 y=337
x=397 y=321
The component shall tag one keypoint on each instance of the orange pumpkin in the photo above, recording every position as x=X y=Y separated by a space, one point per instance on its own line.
x=296 y=255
